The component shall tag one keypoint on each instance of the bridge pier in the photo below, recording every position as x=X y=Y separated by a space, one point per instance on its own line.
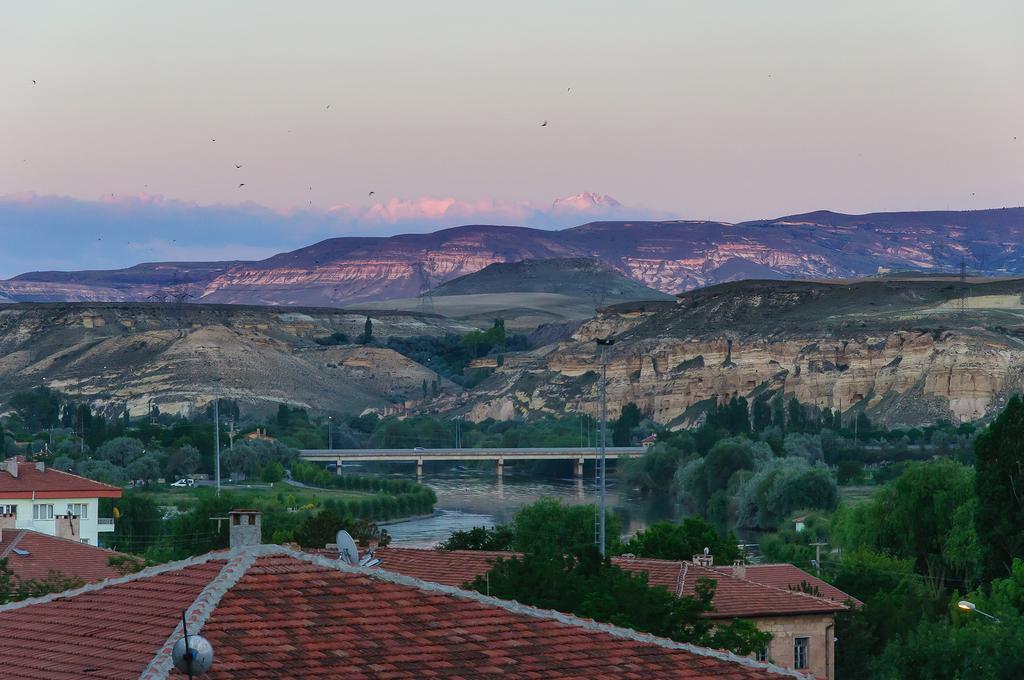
x=501 y=467
x=337 y=466
x=579 y=466
x=419 y=467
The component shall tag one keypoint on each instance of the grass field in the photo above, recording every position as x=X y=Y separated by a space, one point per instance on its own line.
x=185 y=498
x=856 y=494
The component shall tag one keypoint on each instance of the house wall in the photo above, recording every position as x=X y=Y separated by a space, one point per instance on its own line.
x=820 y=628
x=88 y=527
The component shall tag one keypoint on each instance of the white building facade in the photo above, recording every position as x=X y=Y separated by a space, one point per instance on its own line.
x=52 y=502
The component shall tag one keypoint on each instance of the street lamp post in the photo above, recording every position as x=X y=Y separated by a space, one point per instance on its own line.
x=604 y=344
x=330 y=432
x=968 y=606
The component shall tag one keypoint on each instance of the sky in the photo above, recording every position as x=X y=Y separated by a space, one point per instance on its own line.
x=728 y=110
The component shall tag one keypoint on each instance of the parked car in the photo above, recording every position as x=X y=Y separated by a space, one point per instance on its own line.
x=184 y=482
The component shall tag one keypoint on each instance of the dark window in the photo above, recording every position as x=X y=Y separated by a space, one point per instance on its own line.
x=800 y=648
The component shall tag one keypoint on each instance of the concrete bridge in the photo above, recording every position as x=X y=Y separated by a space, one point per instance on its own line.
x=499 y=456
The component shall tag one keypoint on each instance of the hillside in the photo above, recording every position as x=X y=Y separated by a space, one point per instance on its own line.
x=575 y=277
x=903 y=351
x=119 y=356
x=526 y=294
x=669 y=256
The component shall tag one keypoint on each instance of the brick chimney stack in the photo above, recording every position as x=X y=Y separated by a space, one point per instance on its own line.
x=245 y=528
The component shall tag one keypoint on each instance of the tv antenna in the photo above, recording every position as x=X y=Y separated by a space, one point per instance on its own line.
x=192 y=654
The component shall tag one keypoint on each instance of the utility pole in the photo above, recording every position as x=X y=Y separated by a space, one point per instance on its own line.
x=604 y=344
x=216 y=438
x=330 y=432
x=817 y=556
x=216 y=430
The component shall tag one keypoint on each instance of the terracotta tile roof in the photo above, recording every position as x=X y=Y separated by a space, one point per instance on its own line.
x=50 y=483
x=272 y=612
x=734 y=597
x=46 y=553
x=788 y=577
x=110 y=632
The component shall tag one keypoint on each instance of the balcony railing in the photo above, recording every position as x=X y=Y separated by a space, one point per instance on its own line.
x=104 y=524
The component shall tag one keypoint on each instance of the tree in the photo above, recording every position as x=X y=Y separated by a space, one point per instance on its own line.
x=183 y=461
x=669 y=541
x=797 y=416
x=121 y=451
x=146 y=467
x=588 y=586
x=999 y=487
x=923 y=515
x=762 y=414
x=272 y=473
x=367 y=335
x=548 y=527
x=480 y=538
x=627 y=420
x=894 y=602
x=782 y=486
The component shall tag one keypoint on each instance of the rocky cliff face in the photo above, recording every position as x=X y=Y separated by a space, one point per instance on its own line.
x=914 y=362
x=119 y=356
x=667 y=256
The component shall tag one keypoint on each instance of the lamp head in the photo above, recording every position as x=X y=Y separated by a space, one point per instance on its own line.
x=966 y=606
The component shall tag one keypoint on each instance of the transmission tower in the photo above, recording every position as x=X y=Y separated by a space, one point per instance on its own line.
x=426 y=294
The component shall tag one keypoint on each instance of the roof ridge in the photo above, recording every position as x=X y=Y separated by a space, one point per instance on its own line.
x=72 y=474
x=518 y=608
x=14 y=542
x=790 y=591
x=199 y=611
x=128 y=578
x=681 y=581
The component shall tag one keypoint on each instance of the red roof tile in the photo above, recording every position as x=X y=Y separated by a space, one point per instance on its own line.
x=49 y=483
x=789 y=577
x=49 y=553
x=111 y=632
x=270 y=612
x=734 y=597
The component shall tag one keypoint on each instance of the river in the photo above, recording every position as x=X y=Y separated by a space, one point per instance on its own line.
x=474 y=498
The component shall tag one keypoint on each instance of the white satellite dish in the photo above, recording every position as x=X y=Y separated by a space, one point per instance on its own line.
x=192 y=654
x=347 y=549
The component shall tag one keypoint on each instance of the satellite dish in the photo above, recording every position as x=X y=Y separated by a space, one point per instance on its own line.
x=707 y=550
x=192 y=654
x=347 y=549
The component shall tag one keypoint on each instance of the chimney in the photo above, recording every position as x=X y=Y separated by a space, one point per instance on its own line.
x=41 y=466
x=739 y=568
x=245 y=528
x=11 y=465
x=67 y=526
x=8 y=520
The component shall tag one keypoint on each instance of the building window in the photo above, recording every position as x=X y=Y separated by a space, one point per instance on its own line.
x=80 y=510
x=9 y=510
x=800 y=646
x=761 y=654
x=42 y=511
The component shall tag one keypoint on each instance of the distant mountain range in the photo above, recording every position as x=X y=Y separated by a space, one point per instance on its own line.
x=669 y=256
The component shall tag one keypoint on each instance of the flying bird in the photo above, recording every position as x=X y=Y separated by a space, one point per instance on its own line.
x=33 y=82
x=241 y=185
x=237 y=166
x=370 y=194
x=544 y=124
x=328 y=107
